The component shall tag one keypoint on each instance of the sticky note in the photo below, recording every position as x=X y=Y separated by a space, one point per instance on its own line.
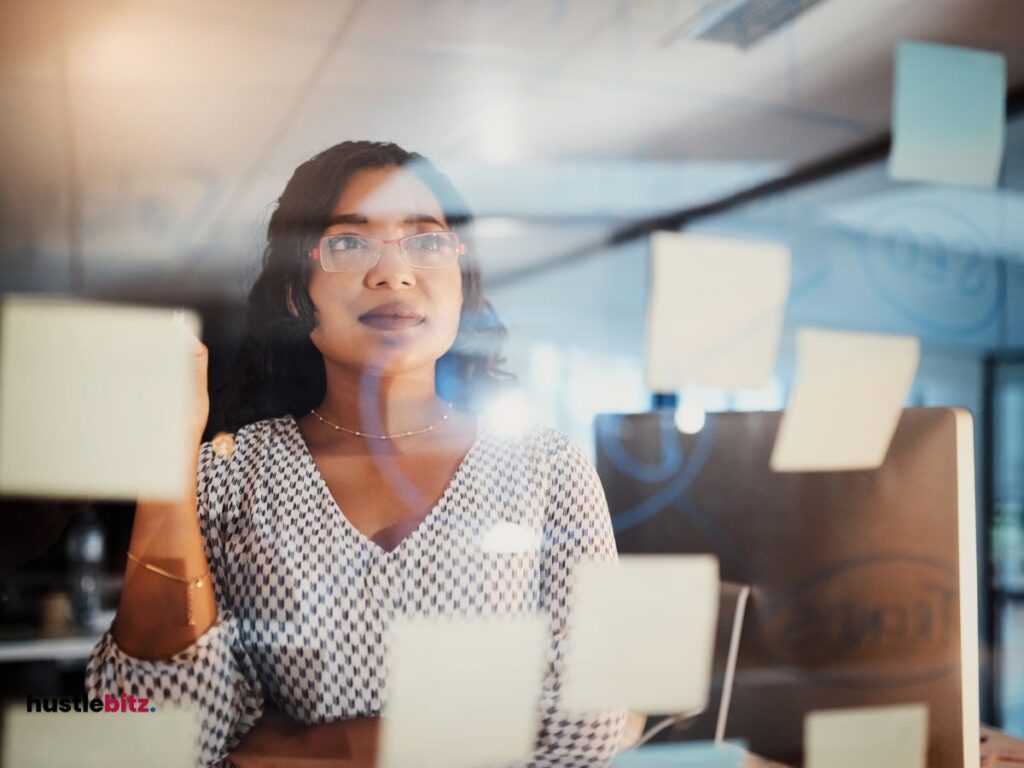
x=893 y=736
x=949 y=115
x=95 y=399
x=715 y=311
x=167 y=738
x=849 y=392
x=474 y=703
x=683 y=755
x=641 y=634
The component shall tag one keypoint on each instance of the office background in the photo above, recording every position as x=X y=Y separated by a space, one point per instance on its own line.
x=142 y=145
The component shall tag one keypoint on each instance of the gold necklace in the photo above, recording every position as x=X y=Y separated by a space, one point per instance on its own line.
x=382 y=437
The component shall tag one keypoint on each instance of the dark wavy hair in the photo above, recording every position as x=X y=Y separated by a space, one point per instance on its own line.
x=277 y=370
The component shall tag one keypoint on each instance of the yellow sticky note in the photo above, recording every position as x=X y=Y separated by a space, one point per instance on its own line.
x=475 y=702
x=893 y=736
x=715 y=312
x=95 y=399
x=849 y=393
x=167 y=738
x=641 y=634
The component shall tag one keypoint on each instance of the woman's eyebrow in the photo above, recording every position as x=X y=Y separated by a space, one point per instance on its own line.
x=359 y=218
x=423 y=218
x=347 y=218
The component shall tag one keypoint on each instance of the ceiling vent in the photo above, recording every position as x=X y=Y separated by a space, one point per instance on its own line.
x=740 y=22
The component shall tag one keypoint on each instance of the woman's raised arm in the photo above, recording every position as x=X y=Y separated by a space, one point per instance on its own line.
x=151 y=651
x=166 y=607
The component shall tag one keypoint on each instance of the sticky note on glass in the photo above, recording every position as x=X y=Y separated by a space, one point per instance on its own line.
x=95 y=399
x=167 y=738
x=477 y=700
x=715 y=311
x=684 y=755
x=641 y=635
x=895 y=736
x=849 y=393
x=948 y=115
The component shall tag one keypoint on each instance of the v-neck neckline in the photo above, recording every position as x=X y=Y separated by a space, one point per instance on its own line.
x=325 y=490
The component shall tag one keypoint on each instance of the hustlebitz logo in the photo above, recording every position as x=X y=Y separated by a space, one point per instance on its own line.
x=123 y=704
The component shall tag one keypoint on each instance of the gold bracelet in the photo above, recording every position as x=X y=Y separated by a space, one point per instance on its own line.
x=190 y=584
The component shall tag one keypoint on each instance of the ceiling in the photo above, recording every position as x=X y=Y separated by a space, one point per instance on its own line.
x=142 y=144
x=968 y=220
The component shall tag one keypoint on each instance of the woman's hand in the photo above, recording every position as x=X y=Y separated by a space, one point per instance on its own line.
x=282 y=743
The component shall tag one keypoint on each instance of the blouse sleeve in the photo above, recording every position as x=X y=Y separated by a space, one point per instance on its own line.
x=214 y=674
x=578 y=527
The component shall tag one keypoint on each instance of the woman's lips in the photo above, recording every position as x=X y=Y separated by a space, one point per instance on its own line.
x=391 y=322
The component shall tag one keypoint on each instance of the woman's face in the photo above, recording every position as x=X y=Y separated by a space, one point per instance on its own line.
x=387 y=204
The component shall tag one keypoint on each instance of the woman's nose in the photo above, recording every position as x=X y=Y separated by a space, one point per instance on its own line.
x=391 y=267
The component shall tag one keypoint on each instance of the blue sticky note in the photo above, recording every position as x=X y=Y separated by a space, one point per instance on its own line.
x=949 y=115
x=698 y=754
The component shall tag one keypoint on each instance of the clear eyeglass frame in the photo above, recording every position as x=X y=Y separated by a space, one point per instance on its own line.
x=446 y=251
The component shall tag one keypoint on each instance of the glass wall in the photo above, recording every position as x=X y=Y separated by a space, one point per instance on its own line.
x=1006 y=538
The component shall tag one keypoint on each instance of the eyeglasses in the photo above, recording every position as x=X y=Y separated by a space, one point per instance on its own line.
x=352 y=253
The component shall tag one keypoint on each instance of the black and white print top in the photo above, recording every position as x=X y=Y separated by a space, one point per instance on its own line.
x=305 y=600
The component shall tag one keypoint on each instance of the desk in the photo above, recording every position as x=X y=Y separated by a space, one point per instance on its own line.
x=70 y=648
x=344 y=744
x=352 y=744
x=1000 y=750
x=276 y=741
x=28 y=643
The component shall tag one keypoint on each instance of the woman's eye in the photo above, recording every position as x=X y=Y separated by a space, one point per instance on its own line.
x=347 y=243
x=429 y=242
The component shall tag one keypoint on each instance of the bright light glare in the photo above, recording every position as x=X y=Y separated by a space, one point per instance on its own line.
x=690 y=418
x=509 y=413
x=505 y=536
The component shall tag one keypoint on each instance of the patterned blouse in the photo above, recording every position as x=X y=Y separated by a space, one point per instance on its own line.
x=305 y=599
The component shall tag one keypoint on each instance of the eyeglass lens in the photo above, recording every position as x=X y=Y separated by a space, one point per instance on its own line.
x=430 y=250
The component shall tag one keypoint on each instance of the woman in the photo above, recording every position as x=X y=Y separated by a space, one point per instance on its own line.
x=354 y=492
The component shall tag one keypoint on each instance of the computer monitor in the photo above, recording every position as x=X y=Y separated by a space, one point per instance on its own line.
x=861 y=580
